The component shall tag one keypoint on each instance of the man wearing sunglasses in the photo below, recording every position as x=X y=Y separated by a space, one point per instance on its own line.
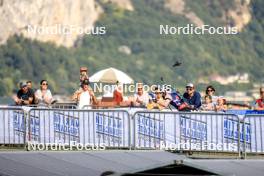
x=192 y=97
x=259 y=104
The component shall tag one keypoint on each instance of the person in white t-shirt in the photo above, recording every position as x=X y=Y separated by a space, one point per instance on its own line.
x=141 y=98
x=85 y=98
x=43 y=95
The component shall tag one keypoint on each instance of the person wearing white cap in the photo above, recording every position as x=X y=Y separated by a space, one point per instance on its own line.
x=192 y=97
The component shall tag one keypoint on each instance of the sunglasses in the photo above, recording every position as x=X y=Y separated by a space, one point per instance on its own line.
x=44 y=84
x=189 y=88
x=210 y=90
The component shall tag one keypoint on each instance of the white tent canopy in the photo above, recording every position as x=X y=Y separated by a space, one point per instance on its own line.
x=111 y=75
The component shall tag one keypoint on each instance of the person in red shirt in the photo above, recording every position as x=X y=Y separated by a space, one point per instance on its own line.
x=259 y=104
x=118 y=94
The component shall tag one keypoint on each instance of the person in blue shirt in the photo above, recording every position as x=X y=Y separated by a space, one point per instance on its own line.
x=192 y=97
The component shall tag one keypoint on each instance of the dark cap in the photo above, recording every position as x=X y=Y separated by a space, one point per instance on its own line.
x=85 y=82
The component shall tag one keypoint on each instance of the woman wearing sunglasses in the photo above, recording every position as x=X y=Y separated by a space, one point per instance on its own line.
x=43 y=95
x=210 y=91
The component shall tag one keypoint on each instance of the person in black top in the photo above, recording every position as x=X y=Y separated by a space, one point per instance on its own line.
x=192 y=97
x=24 y=95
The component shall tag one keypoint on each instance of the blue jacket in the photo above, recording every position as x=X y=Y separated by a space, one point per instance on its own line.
x=195 y=100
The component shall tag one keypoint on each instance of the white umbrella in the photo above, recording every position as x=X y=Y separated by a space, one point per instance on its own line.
x=111 y=75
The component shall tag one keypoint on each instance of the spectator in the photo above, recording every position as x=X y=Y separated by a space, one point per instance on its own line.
x=118 y=94
x=83 y=76
x=43 y=95
x=207 y=105
x=159 y=100
x=141 y=98
x=259 y=104
x=221 y=104
x=85 y=97
x=29 y=84
x=24 y=95
x=210 y=90
x=192 y=97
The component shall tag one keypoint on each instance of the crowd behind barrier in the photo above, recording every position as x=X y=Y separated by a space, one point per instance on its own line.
x=134 y=128
x=156 y=97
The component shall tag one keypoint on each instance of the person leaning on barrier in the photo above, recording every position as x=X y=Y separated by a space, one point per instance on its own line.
x=24 y=95
x=118 y=94
x=85 y=97
x=192 y=97
x=221 y=104
x=208 y=105
x=141 y=98
x=43 y=94
x=259 y=103
x=161 y=100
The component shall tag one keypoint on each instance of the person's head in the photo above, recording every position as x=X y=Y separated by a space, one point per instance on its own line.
x=83 y=73
x=140 y=89
x=166 y=89
x=29 y=84
x=23 y=87
x=210 y=90
x=158 y=93
x=261 y=92
x=43 y=84
x=85 y=84
x=190 y=89
x=221 y=100
x=207 y=99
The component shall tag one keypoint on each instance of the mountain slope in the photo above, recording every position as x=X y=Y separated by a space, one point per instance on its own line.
x=152 y=55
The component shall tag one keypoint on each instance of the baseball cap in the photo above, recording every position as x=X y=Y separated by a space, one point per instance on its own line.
x=190 y=85
x=23 y=84
x=86 y=82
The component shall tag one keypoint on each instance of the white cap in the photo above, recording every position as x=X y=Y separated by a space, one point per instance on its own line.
x=190 y=85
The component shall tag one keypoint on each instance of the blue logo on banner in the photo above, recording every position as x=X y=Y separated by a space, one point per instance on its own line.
x=109 y=125
x=66 y=124
x=150 y=127
x=231 y=130
x=19 y=123
x=193 y=129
